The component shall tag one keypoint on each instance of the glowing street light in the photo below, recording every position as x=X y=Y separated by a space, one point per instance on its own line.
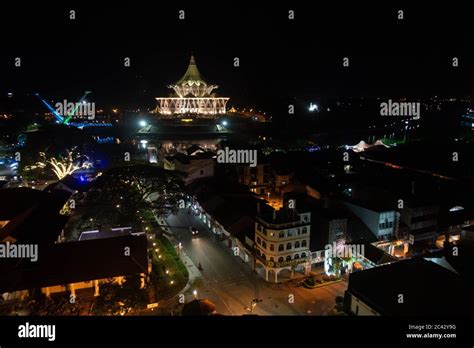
x=143 y=123
x=195 y=293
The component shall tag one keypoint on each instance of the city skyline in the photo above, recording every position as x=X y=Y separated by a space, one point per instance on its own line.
x=305 y=162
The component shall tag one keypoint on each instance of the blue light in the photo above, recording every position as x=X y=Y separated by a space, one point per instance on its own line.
x=50 y=108
x=82 y=179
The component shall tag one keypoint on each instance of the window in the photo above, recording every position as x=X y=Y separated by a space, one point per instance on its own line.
x=272 y=247
x=297 y=245
x=282 y=234
x=303 y=243
x=304 y=230
x=288 y=246
x=271 y=259
x=303 y=255
x=280 y=247
x=201 y=172
x=264 y=231
x=259 y=241
x=290 y=233
x=298 y=231
x=264 y=244
x=280 y=259
x=263 y=256
x=297 y=257
x=288 y=258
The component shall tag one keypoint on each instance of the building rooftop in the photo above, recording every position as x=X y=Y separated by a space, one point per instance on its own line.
x=33 y=214
x=281 y=216
x=192 y=74
x=376 y=204
x=16 y=200
x=65 y=263
x=427 y=288
x=374 y=254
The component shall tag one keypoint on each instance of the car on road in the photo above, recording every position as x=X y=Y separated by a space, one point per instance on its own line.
x=194 y=231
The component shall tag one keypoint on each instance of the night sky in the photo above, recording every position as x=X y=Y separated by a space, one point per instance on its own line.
x=279 y=59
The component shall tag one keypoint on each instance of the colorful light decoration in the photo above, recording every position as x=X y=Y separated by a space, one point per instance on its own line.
x=60 y=118
x=64 y=168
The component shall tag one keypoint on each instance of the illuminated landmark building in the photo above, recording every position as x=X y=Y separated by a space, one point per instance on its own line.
x=192 y=97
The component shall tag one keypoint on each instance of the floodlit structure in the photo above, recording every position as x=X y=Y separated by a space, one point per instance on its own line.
x=192 y=96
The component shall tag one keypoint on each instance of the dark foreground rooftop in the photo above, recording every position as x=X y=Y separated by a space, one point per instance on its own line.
x=427 y=288
x=66 y=263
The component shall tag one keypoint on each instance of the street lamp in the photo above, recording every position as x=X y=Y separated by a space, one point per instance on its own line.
x=195 y=293
x=143 y=123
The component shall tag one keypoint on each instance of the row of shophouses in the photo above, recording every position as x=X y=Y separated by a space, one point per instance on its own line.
x=277 y=244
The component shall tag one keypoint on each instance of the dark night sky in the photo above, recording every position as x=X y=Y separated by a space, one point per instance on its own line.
x=280 y=59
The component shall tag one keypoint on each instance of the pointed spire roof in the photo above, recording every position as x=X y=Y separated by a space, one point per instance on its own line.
x=192 y=75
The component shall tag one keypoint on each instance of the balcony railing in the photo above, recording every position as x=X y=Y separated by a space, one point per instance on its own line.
x=276 y=264
x=280 y=226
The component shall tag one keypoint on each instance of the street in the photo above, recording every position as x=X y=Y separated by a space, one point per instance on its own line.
x=231 y=284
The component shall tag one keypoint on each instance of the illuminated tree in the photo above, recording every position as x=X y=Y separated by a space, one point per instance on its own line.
x=62 y=169
x=67 y=166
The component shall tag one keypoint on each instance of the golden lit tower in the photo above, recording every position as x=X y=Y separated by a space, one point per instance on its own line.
x=192 y=96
